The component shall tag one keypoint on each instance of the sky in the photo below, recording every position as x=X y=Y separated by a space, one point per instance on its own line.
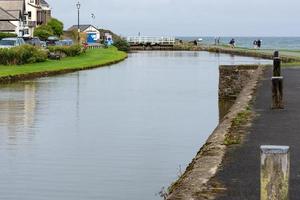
x=185 y=17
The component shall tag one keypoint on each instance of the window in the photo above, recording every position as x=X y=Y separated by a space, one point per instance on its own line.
x=29 y=14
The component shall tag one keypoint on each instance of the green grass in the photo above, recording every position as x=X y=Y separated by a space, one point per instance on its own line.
x=92 y=58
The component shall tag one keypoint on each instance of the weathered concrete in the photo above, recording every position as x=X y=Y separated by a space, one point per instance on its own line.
x=193 y=183
x=233 y=79
x=274 y=173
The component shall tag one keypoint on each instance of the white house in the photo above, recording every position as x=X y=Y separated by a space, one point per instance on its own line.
x=92 y=33
x=38 y=13
x=12 y=16
x=25 y=15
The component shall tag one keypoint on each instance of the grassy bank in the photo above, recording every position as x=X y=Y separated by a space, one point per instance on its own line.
x=91 y=59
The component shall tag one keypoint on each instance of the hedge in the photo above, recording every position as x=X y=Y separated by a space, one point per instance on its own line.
x=22 y=55
x=73 y=50
x=5 y=35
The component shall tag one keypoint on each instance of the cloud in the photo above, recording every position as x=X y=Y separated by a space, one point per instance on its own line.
x=189 y=17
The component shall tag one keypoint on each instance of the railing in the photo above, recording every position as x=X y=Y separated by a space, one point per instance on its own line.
x=151 y=40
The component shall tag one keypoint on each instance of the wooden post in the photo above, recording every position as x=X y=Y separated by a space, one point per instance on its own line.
x=275 y=172
x=276 y=64
x=277 y=93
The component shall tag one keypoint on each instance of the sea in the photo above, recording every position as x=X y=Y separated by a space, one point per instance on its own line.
x=274 y=43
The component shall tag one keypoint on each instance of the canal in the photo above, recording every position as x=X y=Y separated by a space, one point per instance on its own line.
x=115 y=133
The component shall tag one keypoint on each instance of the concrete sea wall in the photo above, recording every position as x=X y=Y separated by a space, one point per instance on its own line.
x=235 y=82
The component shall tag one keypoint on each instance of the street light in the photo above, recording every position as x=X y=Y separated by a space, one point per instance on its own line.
x=78 y=25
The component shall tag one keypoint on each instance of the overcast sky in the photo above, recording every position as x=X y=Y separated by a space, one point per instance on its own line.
x=186 y=17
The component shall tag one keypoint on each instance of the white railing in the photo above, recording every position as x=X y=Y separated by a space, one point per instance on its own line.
x=151 y=40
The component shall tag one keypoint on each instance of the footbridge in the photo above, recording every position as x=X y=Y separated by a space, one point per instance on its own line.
x=146 y=40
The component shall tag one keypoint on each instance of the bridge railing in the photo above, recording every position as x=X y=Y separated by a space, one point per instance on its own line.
x=151 y=40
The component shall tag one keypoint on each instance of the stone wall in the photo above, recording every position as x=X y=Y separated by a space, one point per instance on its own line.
x=233 y=79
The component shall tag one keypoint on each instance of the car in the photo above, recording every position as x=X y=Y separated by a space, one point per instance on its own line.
x=34 y=41
x=11 y=42
x=52 y=40
x=43 y=44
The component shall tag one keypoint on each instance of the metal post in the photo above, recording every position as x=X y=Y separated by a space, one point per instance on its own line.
x=275 y=172
x=78 y=24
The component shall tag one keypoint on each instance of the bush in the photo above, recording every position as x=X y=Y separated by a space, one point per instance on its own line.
x=122 y=45
x=22 y=55
x=73 y=50
x=43 y=32
x=56 y=26
x=5 y=35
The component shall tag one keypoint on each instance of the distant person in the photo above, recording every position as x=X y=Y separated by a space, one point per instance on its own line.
x=259 y=43
x=232 y=43
x=195 y=42
x=218 y=40
x=255 y=44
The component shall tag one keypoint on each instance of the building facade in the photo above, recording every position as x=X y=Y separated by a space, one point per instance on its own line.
x=38 y=12
x=91 y=32
x=25 y=15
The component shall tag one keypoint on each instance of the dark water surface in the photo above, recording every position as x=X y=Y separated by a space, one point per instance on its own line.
x=113 y=133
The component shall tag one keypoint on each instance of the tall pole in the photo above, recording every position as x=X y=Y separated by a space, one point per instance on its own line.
x=78 y=24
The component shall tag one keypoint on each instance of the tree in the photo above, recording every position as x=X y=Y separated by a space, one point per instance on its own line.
x=43 y=32
x=56 y=26
x=122 y=45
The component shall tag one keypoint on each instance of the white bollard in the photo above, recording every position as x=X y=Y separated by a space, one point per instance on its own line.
x=275 y=172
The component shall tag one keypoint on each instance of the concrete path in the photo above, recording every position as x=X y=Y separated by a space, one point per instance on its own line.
x=240 y=173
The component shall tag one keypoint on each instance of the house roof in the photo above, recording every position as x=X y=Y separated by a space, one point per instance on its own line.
x=14 y=7
x=10 y=5
x=6 y=16
x=44 y=3
x=7 y=26
x=81 y=27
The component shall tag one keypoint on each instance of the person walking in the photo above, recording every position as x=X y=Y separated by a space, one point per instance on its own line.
x=259 y=43
x=232 y=43
x=255 y=44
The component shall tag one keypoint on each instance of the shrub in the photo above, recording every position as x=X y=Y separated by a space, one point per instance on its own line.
x=73 y=50
x=43 y=32
x=22 y=55
x=5 y=35
x=121 y=45
x=56 y=26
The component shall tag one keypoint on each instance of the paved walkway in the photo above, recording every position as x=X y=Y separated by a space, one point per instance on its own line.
x=241 y=170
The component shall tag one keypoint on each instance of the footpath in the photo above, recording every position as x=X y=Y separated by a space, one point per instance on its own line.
x=240 y=171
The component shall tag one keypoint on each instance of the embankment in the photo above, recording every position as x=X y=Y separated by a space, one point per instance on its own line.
x=235 y=81
x=285 y=55
x=93 y=58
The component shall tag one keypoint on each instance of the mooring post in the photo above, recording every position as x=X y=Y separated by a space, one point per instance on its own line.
x=277 y=92
x=275 y=172
x=276 y=64
x=277 y=83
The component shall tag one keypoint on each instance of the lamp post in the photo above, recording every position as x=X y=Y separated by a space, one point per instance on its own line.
x=78 y=25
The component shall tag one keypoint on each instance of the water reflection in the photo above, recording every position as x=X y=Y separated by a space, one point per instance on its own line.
x=18 y=107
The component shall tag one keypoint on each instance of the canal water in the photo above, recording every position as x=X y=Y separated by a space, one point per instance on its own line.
x=114 y=133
